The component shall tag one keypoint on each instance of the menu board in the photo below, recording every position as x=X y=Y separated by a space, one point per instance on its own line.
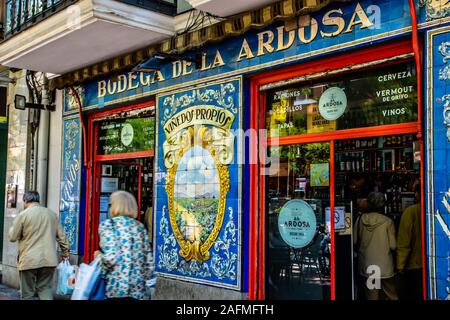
x=361 y=99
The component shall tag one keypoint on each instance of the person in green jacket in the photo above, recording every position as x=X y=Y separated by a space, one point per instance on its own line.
x=409 y=250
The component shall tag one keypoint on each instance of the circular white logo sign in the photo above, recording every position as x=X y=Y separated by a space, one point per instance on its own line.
x=127 y=134
x=297 y=223
x=332 y=103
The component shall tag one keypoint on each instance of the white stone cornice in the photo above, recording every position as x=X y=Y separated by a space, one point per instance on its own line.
x=90 y=30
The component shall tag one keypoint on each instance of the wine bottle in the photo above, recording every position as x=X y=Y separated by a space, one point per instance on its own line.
x=342 y=163
x=348 y=164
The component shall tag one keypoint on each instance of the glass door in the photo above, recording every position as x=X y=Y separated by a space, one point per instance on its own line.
x=297 y=215
x=387 y=165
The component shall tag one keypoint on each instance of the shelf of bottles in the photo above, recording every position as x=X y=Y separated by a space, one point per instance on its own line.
x=375 y=155
x=129 y=181
x=385 y=164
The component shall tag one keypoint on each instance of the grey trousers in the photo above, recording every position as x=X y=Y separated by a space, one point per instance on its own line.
x=38 y=281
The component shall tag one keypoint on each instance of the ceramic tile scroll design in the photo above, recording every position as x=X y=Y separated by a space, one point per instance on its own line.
x=70 y=181
x=446 y=113
x=198 y=208
x=168 y=253
x=444 y=226
x=71 y=102
x=221 y=96
x=435 y=9
x=223 y=261
x=444 y=75
x=444 y=50
x=223 y=265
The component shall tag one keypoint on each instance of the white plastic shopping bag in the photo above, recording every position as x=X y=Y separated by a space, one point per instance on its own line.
x=86 y=278
x=66 y=278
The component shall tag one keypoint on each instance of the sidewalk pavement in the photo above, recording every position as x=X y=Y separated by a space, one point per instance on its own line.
x=7 y=293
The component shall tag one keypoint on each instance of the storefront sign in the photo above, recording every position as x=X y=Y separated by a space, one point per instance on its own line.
x=347 y=25
x=297 y=223
x=127 y=134
x=332 y=103
x=333 y=23
x=198 y=190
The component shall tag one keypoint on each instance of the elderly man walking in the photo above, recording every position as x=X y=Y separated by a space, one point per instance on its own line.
x=37 y=229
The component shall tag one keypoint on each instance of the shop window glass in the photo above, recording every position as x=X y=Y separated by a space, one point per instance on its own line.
x=363 y=99
x=126 y=135
x=299 y=223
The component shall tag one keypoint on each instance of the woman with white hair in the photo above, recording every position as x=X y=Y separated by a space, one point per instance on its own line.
x=126 y=259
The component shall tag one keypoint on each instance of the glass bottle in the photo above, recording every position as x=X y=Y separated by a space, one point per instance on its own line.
x=342 y=163
x=348 y=164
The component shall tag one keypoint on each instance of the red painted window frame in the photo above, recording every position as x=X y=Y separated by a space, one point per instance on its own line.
x=257 y=237
x=93 y=172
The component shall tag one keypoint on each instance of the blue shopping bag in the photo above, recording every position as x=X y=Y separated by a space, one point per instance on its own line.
x=98 y=291
x=89 y=284
x=66 y=278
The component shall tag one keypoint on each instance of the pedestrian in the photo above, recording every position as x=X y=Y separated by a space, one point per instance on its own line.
x=126 y=256
x=375 y=241
x=409 y=250
x=37 y=229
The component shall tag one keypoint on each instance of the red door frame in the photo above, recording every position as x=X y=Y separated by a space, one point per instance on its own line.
x=257 y=239
x=93 y=173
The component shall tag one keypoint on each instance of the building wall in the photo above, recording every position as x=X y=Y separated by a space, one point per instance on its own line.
x=54 y=158
x=438 y=163
x=15 y=174
x=16 y=167
x=3 y=153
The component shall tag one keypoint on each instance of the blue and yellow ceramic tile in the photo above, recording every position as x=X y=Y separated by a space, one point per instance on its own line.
x=197 y=224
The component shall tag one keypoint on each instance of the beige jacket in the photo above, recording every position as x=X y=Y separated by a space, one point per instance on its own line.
x=37 y=229
x=375 y=239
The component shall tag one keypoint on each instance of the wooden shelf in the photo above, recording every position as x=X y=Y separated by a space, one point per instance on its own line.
x=372 y=149
x=369 y=172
